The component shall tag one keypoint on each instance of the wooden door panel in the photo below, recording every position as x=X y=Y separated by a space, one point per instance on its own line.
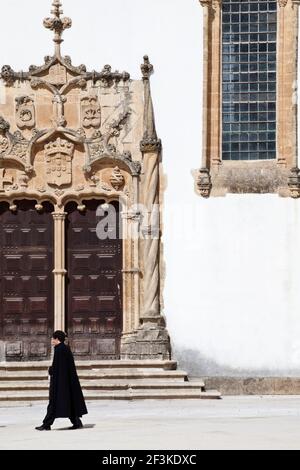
x=94 y=291
x=26 y=281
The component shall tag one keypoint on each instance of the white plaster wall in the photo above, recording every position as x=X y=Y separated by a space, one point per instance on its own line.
x=232 y=293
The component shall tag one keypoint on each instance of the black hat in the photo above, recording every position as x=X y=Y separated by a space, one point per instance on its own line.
x=60 y=335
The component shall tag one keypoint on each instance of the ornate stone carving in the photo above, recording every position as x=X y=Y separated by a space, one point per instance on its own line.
x=4 y=125
x=108 y=78
x=150 y=145
x=150 y=142
x=90 y=112
x=117 y=179
x=20 y=146
x=25 y=112
x=204 y=182
x=147 y=68
x=8 y=75
x=57 y=75
x=282 y=3
x=294 y=183
x=100 y=146
x=57 y=24
x=58 y=157
x=5 y=179
x=23 y=180
x=4 y=144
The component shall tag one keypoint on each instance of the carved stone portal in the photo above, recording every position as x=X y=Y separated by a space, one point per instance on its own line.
x=59 y=155
x=91 y=112
x=25 y=112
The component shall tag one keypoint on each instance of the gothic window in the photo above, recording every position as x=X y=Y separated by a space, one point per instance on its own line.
x=249 y=80
x=249 y=98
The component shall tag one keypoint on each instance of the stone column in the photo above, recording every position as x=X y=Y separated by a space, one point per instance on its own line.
x=151 y=339
x=59 y=270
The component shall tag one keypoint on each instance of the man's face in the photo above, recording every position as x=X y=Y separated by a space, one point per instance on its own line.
x=54 y=342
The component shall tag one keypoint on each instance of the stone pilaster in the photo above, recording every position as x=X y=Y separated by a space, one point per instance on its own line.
x=211 y=119
x=59 y=270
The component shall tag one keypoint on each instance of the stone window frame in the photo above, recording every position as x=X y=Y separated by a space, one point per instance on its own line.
x=217 y=177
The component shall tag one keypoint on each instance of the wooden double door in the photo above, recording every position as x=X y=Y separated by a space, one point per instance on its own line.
x=94 y=283
x=93 y=294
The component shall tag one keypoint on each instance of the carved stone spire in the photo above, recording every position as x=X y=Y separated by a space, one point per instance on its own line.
x=57 y=24
x=150 y=142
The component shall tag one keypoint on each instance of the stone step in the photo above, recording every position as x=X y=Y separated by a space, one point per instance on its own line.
x=104 y=374
x=130 y=394
x=113 y=364
x=102 y=385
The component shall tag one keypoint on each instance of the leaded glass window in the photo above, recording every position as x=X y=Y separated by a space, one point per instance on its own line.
x=249 y=80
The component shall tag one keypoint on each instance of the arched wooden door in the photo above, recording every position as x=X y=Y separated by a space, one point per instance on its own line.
x=26 y=281
x=94 y=285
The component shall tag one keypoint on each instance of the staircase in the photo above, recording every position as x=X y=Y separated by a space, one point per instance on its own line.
x=104 y=380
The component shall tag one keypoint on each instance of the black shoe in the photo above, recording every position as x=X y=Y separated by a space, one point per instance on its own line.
x=78 y=425
x=43 y=428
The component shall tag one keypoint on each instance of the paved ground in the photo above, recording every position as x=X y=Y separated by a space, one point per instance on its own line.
x=231 y=423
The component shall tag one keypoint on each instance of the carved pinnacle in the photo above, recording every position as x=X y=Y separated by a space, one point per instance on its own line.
x=147 y=68
x=57 y=24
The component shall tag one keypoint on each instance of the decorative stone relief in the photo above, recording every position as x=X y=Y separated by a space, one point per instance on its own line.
x=90 y=112
x=25 y=112
x=20 y=146
x=57 y=75
x=5 y=179
x=4 y=142
x=58 y=158
x=117 y=179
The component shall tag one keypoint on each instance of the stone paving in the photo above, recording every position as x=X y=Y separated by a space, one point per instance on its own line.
x=245 y=422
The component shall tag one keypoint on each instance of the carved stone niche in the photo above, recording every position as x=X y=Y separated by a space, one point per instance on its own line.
x=25 y=112
x=58 y=160
x=90 y=112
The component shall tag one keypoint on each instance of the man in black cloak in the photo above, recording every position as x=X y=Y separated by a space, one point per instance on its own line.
x=65 y=397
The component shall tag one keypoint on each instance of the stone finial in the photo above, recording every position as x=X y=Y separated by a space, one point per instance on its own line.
x=57 y=24
x=147 y=68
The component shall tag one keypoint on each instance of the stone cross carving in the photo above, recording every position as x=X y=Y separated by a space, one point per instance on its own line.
x=4 y=180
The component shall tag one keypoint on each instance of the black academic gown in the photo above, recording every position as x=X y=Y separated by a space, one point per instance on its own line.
x=65 y=391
